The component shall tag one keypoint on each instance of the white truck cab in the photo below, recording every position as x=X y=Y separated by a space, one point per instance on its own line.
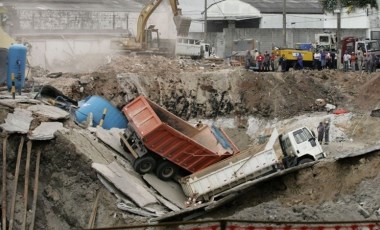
x=300 y=146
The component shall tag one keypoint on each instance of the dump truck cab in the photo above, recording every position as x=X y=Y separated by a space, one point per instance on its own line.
x=300 y=146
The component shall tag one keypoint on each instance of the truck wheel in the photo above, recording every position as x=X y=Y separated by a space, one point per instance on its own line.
x=144 y=165
x=305 y=160
x=166 y=170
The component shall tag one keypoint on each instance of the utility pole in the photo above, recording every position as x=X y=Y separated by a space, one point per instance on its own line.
x=338 y=32
x=284 y=22
x=205 y=22
x=338 y=24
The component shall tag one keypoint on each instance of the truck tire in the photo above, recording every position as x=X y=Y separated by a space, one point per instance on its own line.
x=166 y=170
x=144 y=164
x=305 y=160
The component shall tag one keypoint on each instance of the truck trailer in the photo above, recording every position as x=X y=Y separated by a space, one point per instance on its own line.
x=282 y=151
x=163 y=143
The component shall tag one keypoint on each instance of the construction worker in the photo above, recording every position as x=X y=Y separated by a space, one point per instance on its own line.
x=272 y=61
x=353 y=61
x=260 y=61
x=360 y=60
x=321 y=132
x=327 y=132
x=300 y=60
x=282 y=62
x=266 y=61
x=346 y=61
x=247 y=59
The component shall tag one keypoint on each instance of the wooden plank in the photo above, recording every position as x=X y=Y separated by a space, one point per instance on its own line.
x=35 y=189
x=4 y=188
x=129 y=146
x=17 y=172
x=26 y=185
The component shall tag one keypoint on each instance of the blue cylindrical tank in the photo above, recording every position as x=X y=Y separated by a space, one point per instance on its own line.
x=114 y=118
x=16 y=66
x=3 y=65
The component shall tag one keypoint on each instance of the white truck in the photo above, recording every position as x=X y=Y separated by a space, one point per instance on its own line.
x=192 y=48
x=281 y=151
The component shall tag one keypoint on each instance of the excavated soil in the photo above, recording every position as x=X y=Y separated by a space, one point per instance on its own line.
x=330 y=190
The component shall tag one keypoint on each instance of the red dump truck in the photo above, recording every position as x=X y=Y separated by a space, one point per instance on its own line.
x=163 y=143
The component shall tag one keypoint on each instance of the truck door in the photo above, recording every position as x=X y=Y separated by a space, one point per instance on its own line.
x=305 y=143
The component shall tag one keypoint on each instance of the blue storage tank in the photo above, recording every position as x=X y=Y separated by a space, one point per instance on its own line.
x=3 y=65
x=16 y=65
x=114 y=118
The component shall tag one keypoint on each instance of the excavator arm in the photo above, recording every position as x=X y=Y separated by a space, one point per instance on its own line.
x=143 y=19
x=182 y=23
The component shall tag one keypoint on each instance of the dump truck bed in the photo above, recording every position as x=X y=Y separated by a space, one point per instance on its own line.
x=230 y=172
x=192 y=148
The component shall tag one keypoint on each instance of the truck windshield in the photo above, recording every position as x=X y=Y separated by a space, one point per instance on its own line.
x=302 y=135
x=373 y=45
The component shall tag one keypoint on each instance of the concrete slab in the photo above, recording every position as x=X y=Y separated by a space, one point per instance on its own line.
x=12 y=103
x=125 y=204
x=126 y=183
x=45 y=131
x=18 y=121
x=168 y=189
x=112 y=138
x=359 y=152
x=51 y=112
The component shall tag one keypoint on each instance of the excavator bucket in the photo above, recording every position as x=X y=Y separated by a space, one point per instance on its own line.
x=182 y=24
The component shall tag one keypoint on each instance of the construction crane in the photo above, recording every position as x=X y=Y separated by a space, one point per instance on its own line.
x=144 y=36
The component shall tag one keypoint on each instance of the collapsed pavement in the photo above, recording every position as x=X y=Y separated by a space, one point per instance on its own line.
x=244 y=102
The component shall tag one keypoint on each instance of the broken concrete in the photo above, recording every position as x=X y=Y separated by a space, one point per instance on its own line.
x=50 y=112
x=18 y=121
x=126 y=183
x=45 y=131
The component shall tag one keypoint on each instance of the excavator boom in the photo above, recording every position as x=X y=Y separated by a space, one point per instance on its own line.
x=182 y=23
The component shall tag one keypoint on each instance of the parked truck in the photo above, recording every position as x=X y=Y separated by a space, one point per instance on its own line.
x=163 y=143
x=291 y=57
x=192 y=48
x=282 y=151
x=353 y=44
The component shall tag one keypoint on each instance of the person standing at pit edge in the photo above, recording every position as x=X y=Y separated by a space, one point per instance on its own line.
x=327 y=132
x=321 y=132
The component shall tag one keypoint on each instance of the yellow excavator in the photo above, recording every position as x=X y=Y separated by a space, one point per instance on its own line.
x=147 y=39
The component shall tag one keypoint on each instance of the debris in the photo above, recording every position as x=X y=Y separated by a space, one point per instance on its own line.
x=375 y=113
x=50 y=112
x=45 y=131
x=340 y=111
x=18 y=121
x=126 y=183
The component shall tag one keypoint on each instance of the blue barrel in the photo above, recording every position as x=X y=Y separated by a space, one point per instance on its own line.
x=3 y=65
x=113 y=118
x=16 y=66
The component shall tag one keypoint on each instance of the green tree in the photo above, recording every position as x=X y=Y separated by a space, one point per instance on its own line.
x=331 y=5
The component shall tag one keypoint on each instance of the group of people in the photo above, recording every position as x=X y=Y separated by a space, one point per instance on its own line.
x=321 y=60
x=323 y=130
x=262 y=62
x=360 y=61
x=324 y=60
